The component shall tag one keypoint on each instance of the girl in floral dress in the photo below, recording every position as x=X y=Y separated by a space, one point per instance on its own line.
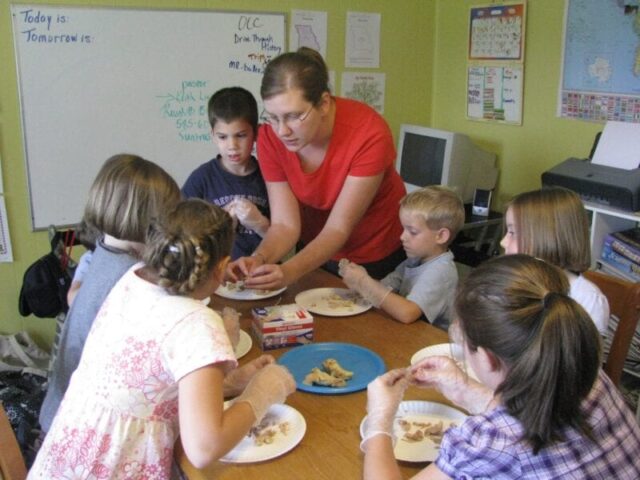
x=154 y=363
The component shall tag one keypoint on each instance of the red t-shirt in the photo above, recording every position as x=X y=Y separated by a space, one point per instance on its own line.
x=361 y=145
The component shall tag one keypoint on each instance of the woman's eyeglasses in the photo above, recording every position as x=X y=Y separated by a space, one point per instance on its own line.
x=289 y=119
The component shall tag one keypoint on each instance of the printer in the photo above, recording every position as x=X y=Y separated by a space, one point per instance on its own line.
x=611 y=176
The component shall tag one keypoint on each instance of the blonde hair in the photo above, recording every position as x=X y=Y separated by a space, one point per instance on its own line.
x=552 y=224
x=187 y=243
x=127 y=194
x=440 y=207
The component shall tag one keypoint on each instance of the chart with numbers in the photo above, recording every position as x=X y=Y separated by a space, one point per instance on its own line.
x=497 y=32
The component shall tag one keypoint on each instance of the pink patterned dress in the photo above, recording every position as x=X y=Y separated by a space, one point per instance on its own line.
x=119 y=417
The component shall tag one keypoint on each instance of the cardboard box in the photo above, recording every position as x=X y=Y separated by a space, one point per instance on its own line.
x=281 y=326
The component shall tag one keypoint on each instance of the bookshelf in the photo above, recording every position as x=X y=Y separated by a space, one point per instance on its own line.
x=605 y=220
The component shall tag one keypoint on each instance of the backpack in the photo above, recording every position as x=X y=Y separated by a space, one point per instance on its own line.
x=47 y=281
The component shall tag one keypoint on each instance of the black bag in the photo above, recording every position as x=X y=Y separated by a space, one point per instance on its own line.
x=47 y=281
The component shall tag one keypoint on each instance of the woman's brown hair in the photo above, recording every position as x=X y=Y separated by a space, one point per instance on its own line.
x=303 y=69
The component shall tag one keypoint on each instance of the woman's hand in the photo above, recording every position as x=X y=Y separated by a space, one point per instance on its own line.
x=443 y=374
x=267 y=277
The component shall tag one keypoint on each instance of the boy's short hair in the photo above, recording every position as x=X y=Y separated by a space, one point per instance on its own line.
x=440 y=207
x=233 y=103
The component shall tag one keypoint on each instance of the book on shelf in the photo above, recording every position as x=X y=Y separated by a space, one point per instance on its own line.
x=630 y=236
x=612 y=243
x=627 y=267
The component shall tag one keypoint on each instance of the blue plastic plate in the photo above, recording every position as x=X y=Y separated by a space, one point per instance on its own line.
x=365 y=365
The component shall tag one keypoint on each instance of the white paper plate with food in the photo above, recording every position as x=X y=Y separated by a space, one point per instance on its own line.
x=418 y=427
x=450 y=350
x=237 y=291
x=281 y=429
x=332 y=302
x=244 y=344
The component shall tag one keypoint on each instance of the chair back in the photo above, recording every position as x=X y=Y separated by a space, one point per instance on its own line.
x=624 y=303
x=12 y=465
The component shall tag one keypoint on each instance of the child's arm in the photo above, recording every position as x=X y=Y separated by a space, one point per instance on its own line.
x=400 y=308
x=378 y=294
x=207 y=431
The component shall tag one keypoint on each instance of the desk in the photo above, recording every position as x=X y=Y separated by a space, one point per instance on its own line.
x=479 y=237
x=330 y=449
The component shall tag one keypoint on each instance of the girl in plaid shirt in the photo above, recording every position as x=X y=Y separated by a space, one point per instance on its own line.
x=543 y=409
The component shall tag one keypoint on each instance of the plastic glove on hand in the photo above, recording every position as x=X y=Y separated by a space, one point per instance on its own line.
x=443 y=374
x=236 y=380
x=384 y=395
x=356 y=278
x=249 y=216
x=270 y=385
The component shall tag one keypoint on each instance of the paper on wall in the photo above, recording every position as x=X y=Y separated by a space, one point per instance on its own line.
x=619 y=146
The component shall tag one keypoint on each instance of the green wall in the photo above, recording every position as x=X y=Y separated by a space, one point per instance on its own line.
x=543 y=140
x=407 y=50
x=423 y=54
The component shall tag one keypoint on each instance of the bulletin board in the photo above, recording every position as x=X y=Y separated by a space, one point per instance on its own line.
x=95 y=82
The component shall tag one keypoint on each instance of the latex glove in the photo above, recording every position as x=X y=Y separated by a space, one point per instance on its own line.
x=356 y=278
x=443 y=374
x=231 y=210
x=231 y=320
x=270 y=385
x=384 y=395
x=236 y=380
x=249 y=216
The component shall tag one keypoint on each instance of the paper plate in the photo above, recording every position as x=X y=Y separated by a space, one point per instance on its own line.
x=244 y=344
x=247 y=451
x=445 y=349
x=365 y=365
x=332 y=302
x=425 y=450
x=229 y=291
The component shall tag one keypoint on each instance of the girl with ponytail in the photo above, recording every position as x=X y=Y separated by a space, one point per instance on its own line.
x=543 y=409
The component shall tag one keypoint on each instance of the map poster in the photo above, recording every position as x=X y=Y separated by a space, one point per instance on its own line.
x=308 y=29
x=601 y=61
x=497 y=32
x=494 y=93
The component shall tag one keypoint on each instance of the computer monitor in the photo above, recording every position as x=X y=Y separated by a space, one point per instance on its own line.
x=427 y=156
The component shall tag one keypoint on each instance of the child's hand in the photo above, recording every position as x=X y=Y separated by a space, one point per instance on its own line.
x=384 y=395
x=356 y=278
x=443 y=374
x=270 y=385
x=236 y=380
x=250 y=217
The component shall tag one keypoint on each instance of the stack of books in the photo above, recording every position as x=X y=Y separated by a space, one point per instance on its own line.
x=621 y=251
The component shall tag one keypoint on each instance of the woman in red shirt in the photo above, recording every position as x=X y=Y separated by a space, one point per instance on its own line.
x=328 y=163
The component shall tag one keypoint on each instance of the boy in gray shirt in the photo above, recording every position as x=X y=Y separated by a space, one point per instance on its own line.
x=426 y=282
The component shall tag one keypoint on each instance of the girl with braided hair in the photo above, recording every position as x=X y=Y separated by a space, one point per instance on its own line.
x=544 y=408
x=155 y=362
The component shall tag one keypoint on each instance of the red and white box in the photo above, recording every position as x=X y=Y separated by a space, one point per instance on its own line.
x=281 y=326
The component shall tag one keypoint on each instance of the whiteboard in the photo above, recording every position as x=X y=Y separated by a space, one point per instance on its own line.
x=95 y=82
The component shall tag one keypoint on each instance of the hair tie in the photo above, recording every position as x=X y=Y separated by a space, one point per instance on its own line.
x=549 y=298
x=174 y=249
